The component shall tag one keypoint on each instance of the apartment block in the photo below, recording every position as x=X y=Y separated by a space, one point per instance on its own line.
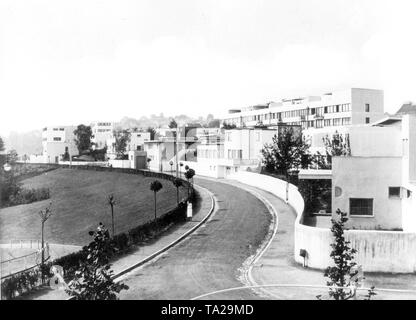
x=339 y=108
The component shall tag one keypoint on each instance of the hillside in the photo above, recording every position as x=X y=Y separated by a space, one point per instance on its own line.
x=79 y=203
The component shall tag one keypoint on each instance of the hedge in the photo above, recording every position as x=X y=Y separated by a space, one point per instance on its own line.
x=27 y=281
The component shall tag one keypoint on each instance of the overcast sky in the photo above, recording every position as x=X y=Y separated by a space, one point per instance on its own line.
x=67 y=62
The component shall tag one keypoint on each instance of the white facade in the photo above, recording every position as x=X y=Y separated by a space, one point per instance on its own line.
x=339 y=108
x=101 y=132
x=55 y=142
x=376 y=185
x=136 y=143
x=235 y=150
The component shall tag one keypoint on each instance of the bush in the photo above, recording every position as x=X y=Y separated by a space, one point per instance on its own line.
x=25 y=196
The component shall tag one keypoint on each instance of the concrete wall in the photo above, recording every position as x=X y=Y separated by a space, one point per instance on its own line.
x=409 y=208
x=359 y=97
x=119 y=163
x=378 y=251
x=371 y=179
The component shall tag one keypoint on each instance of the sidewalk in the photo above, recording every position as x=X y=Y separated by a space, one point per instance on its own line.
x=200 y=211
x=277 y=264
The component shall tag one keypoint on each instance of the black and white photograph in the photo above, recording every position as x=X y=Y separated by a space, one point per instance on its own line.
x=213 y=155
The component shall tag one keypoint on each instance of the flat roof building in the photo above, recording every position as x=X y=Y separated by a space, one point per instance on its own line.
x=338 y=108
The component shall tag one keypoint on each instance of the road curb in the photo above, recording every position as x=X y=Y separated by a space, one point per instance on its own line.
x=250 y=262
x=170 y=245
x=173 y=243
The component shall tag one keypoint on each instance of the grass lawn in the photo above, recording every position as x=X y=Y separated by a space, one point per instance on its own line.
x=79 y=203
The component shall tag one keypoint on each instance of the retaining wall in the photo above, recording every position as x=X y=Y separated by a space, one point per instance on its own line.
x=377 y=251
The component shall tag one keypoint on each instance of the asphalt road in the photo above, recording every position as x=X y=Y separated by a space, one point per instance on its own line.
x=210 y=259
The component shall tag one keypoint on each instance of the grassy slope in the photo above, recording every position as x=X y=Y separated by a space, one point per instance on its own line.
x=79 y=202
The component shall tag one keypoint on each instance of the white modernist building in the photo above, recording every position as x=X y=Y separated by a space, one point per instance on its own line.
x=56 y=141
x=338 y=108
x=101 y=132
x=136 y=143
x=234 y=150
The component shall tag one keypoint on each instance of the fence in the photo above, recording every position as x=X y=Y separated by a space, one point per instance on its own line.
x=24 y=262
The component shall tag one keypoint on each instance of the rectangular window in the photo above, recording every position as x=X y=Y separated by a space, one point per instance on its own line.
x=361 y=207
x=394 y=192
x=56 y=139
x=367 y=120
x=367 y=107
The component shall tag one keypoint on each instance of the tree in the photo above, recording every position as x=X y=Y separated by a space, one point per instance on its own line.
x=152 y=132
x=93 y=280
x=228 y=126
x=172 y=124
x=122 y=138
x=215 y=123
x=177 y=183
x=2 y=156
x=10 y=186
x=112 y=202
x=83 y=135
x=12 y=157
x=44 y=216
x=343 y=273
x=287 y=151
x=338 y=145
x=189 y=174
x=156 y=186
x=180 y=170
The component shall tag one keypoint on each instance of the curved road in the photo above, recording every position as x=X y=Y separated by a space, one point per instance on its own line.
x=209 y=259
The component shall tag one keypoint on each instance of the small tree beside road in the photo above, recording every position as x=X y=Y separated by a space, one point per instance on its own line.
x=156 y=186
x=344 y=272
x=112 y=202
x=189 y=174
x=177 y=183
x=288 y=151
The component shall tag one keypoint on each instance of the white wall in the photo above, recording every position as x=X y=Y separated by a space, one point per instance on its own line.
x=368 y=178
x=378 y=251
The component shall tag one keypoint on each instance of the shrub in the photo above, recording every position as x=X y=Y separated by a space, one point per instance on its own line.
x=25 y=196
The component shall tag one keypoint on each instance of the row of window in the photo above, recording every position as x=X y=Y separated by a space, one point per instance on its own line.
x=322 y=123
x=364 y=207
x=210 y=154
x=235 y=154
x=319 y=111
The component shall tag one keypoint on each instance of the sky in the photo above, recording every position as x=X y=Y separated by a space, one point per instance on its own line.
x=71 y=62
